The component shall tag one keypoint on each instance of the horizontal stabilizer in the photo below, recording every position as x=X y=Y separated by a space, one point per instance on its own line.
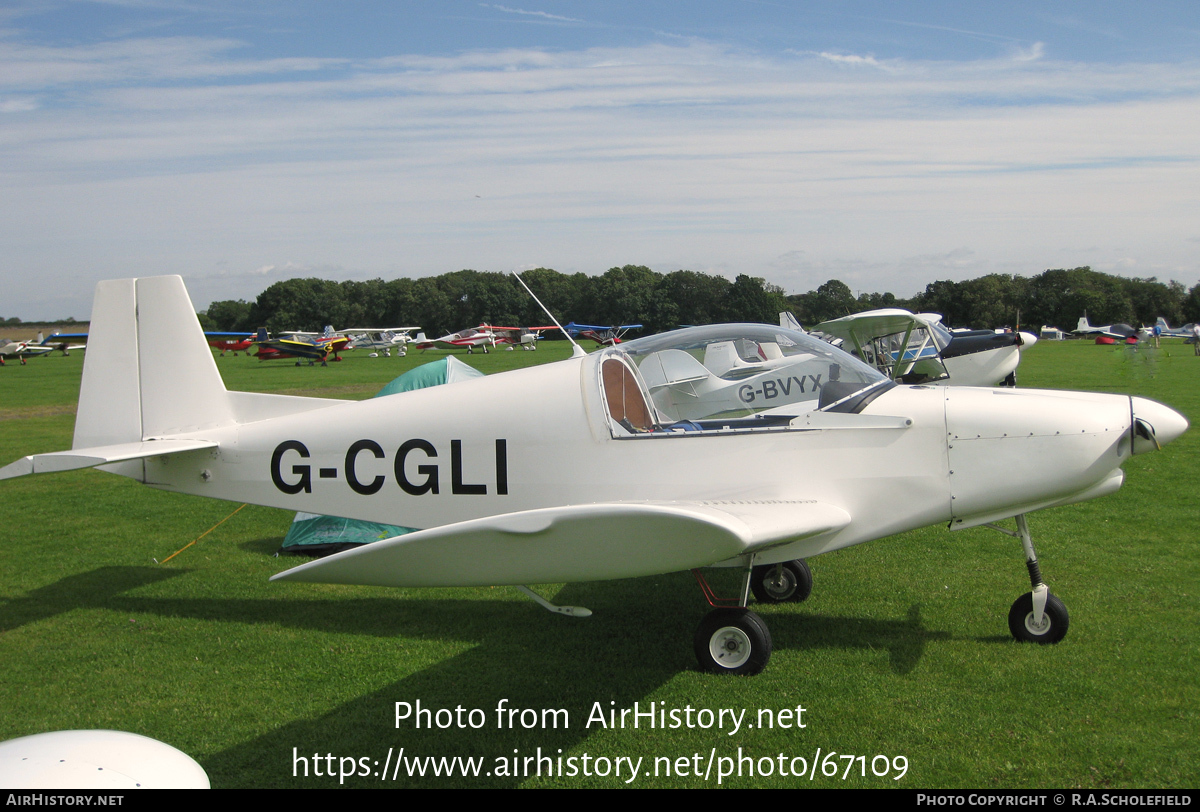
x=89 y=457
x=575 y=543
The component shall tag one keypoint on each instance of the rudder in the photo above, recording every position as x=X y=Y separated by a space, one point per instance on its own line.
x=148 y=372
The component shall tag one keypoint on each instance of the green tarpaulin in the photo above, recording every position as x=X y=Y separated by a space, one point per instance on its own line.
x=316 y=535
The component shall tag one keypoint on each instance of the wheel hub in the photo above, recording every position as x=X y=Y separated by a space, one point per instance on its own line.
x=730 y=647
x=1037 y=628
x=782 y=587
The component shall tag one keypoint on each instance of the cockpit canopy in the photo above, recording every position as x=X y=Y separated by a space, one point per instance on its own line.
x=728 y=377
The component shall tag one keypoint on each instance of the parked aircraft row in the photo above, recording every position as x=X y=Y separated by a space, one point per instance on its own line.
x=485 y=337
x=817 y=451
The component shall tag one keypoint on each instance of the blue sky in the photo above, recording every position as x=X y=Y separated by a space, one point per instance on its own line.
x=884 y=144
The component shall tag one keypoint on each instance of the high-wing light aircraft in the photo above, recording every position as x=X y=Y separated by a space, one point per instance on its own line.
x=63 y=342
x=757 y=468
x=603 y=335
x=380 y=339
x=917 y=348
x=484 y=336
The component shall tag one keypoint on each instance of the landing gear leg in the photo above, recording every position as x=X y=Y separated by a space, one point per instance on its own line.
x=1037 y=616
x=732 y=639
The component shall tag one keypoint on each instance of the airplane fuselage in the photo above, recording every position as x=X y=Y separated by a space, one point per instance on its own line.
x=410 y=460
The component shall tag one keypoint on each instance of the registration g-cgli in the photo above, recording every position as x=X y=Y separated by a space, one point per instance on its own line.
x=737 y=445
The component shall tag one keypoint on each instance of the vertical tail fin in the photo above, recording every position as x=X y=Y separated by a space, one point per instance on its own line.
x=149 y=371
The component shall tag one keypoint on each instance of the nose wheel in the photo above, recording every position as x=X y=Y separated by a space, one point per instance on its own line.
x=1037 y=616
x=1027 y=628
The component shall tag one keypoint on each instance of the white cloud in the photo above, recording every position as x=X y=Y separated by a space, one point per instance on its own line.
x=848 y=59
x=18 y=104
x=1030 y=53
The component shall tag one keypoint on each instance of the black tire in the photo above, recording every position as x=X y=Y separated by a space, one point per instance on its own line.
x=793 y=585
x=732 y=641
x=1054 y=620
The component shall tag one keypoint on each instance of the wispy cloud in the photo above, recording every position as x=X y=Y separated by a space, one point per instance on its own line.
x=190 y=151
x=542 y=14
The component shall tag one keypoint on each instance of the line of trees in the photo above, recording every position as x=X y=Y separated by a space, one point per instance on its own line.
x=452 y=301
x=636 y=294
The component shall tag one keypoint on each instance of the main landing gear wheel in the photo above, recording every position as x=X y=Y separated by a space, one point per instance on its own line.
x=1053 y=627
x=732 y=641
x=789 y=582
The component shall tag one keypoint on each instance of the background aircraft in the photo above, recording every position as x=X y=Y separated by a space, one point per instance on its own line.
x=301 y=345
x=23 y=350
x=63 y=342
x=485 y=336
x=379 y=339
x=605 y=336
x=230 y=342
x=820 y=453
x=1121 y=332
x=917 y=348
x=1167 y=331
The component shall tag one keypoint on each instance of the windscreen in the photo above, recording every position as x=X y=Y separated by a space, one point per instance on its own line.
x=728 y=371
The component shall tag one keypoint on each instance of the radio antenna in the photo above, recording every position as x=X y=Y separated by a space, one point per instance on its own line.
x=578 y=352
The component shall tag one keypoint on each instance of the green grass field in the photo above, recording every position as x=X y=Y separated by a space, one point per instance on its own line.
x=902 y=651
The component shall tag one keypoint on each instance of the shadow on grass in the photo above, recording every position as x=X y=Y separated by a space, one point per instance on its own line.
x=267 y=546
x=638 y=640
x=97 y=588
x=534 y=672
x=904 y=640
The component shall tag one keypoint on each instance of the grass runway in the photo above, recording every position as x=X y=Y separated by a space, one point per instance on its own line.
x=902 y=651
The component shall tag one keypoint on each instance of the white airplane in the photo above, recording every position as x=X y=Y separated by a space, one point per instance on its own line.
x=485 y=336
x=1167 y=331
x=379 y=339
x=757 y=470
x=917 y=348
x=1118 y=332
x=24 y=349
x=62 y=341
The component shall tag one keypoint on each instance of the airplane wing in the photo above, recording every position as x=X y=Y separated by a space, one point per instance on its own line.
x=60 y=338
x=874 y=324
x=576 y=543
x=349 y=330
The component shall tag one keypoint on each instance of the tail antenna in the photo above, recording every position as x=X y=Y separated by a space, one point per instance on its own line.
x=578 y=351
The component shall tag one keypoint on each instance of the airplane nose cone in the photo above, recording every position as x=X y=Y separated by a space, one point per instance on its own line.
x=1027 y=341
x=1154 y=425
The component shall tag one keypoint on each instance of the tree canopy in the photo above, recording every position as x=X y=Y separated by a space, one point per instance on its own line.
x=636 y=294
